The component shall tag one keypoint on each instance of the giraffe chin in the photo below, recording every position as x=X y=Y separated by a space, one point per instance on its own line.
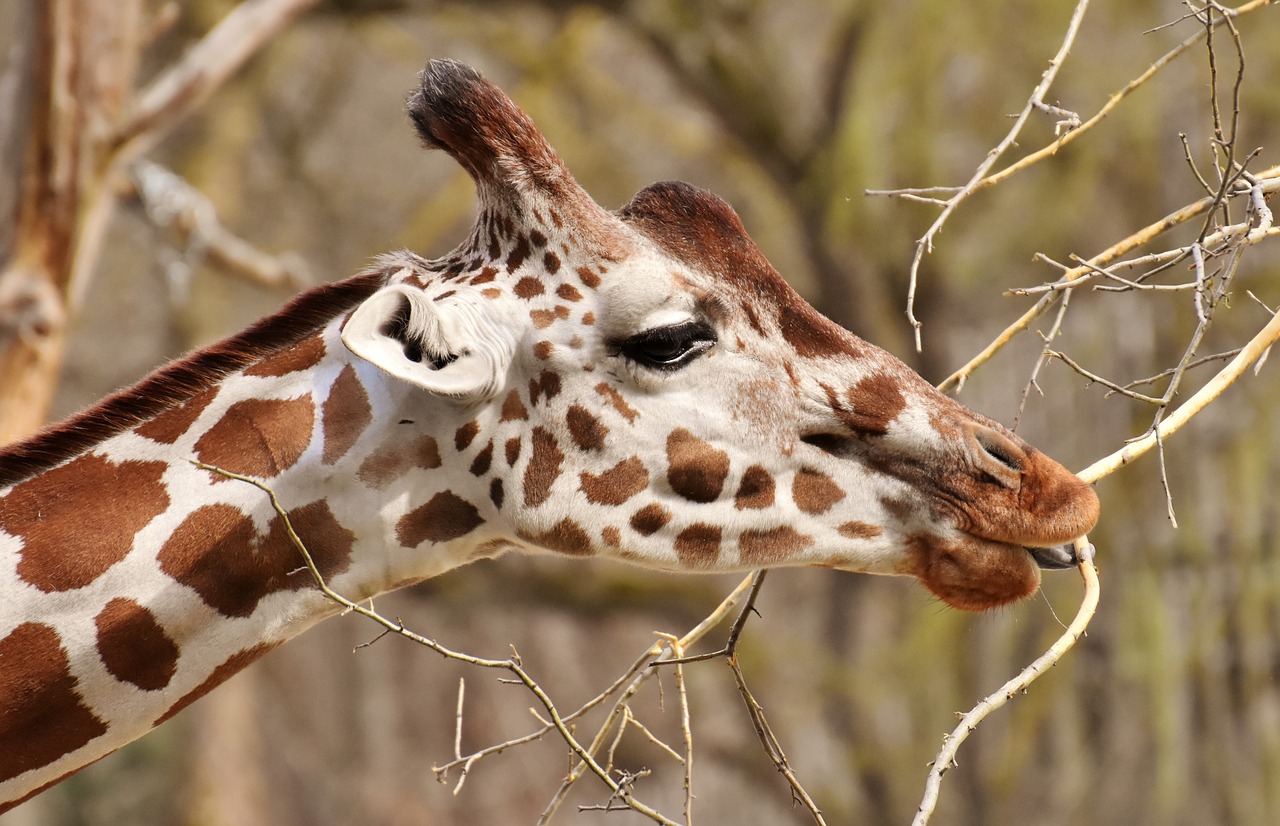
x=971 y=573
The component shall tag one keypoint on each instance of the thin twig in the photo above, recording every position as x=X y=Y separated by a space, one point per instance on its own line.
x=1166 y=373
x=635 y=678
x=772 y=747
x=1045 y=353
x=735 y=631
x=1246 y=236
x=1112 y=102
x=621 y=791
x=925 y=242
x=1093 y=377
x=946 y=759
x=175 y=205
x=183 y=87
x=686 y=729
x=1179 y=417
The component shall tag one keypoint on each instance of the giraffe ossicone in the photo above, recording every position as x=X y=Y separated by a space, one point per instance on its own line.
x=638 y=384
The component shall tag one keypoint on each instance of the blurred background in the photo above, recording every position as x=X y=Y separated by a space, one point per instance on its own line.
x=1167 y=713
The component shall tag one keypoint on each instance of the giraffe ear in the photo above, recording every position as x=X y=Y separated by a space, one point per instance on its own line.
x=458 y=347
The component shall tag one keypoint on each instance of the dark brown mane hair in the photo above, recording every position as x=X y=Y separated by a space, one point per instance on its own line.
x=180 y=380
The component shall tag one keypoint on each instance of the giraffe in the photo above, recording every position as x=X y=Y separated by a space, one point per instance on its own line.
x=638 y=384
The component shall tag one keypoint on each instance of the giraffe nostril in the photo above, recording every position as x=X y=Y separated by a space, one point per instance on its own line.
x=1000 y=448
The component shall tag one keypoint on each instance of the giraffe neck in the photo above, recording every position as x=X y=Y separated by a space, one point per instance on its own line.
x=135 y=582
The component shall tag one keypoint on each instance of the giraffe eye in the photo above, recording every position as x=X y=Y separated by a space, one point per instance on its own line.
x=669 y=348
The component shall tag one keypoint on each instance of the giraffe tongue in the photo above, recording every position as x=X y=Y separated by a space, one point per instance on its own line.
x=1056 y=558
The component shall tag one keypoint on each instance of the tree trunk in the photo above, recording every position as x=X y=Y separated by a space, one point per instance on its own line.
x=68 y=85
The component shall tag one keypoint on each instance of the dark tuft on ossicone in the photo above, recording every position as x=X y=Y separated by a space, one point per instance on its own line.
x=456 y=109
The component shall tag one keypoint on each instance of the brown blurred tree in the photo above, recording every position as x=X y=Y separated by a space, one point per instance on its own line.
x=77 y=123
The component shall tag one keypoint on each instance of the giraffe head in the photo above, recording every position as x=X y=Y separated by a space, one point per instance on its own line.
x=642 y=384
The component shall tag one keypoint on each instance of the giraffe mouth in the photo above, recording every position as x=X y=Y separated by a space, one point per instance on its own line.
x=1056 y=558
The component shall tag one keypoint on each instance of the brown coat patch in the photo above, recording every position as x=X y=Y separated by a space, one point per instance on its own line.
x=695 y=470
x=78 y=520
x=859 y=530
x=698 y=545
x=345 y=415
x=813 y=335
x=516 y=257
x=465 y=435
x=259 y=437
x=815 y=492
x=543 y=350
x=617 y=484
x=444 y=517
x=134 y=646
x=756 y=490
x=585 y=429
x=566 y=537
x=480 y=464
x=589 y=278
x=759 y=548
x=217 y=553
x=528 y=288
x=512 y=450
x=754 y=320
x=496 y=492
x=549 y=383
x=169 y=426
x=876 y=400
x=543 y=469
x=302 y=356
x=513 y=409
x=42 y=716
x=394 y=459
x=649 y=520
x=615 y=400
x=569 y=292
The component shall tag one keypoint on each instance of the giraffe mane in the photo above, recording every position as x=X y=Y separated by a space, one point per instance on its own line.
x=182 y=379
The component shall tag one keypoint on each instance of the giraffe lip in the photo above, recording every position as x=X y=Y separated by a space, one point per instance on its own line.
x=1056 y=558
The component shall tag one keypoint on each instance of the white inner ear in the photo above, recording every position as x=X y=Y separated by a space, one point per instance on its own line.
x=459 y=347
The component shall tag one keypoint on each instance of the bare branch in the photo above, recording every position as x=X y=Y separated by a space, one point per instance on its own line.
x=925 y=243
x=183 y=87
x=621 y=789
x=173 y=204
x=1044 y=356
x=1172 y=423
x=772 y=747
x=946 y=759
x=1243 y=233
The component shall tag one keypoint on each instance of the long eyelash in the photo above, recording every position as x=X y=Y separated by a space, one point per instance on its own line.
x=695 y=336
